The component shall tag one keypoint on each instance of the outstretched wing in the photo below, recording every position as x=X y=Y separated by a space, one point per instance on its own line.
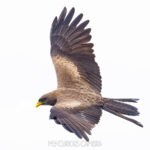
x=72 y=54
x=78 y=122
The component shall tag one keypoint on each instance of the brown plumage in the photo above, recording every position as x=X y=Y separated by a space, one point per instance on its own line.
x=77 y=102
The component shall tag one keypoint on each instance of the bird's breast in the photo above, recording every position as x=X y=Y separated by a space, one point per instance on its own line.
x=75 y=97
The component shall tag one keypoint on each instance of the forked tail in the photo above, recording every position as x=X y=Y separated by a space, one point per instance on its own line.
x=118 y=108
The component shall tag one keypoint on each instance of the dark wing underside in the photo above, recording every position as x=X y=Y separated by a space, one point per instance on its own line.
x=72 y=54
x=78 y=122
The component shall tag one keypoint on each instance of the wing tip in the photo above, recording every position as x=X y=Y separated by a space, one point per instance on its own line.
x=72 y=9
x=64 y=9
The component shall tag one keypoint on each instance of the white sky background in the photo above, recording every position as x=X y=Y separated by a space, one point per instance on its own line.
x=121 y=35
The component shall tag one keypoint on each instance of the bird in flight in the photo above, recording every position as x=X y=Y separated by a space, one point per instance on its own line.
x=77 y=102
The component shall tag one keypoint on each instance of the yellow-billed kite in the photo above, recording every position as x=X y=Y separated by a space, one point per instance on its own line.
x=77 y=102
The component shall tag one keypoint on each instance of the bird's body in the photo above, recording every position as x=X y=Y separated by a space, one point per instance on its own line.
x=77 y=102
x=74 y=99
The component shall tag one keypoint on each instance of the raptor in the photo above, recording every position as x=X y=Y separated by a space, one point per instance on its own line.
x=77 y=102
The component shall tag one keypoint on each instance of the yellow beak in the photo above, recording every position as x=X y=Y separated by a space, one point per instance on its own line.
x=38 y=104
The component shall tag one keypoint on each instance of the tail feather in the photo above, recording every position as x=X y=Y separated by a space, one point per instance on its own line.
x=118 y=107
x=134 y=100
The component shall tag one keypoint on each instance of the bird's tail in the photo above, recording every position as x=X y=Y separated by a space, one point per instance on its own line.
x=118 y=108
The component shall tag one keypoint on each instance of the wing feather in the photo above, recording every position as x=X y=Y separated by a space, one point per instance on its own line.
x=78 y=121
x=71 y=122
x=72 y=54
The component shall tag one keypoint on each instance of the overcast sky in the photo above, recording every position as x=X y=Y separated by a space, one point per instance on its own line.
x=121 y=35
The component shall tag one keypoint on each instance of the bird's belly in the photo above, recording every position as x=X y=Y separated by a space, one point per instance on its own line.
x=74 y=97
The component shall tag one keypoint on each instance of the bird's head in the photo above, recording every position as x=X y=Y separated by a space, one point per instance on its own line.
x=47 y=99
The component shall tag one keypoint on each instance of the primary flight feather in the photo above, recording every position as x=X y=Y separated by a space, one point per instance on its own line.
x=77 y=102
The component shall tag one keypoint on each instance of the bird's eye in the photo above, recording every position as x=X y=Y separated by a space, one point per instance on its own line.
x=42 y=99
